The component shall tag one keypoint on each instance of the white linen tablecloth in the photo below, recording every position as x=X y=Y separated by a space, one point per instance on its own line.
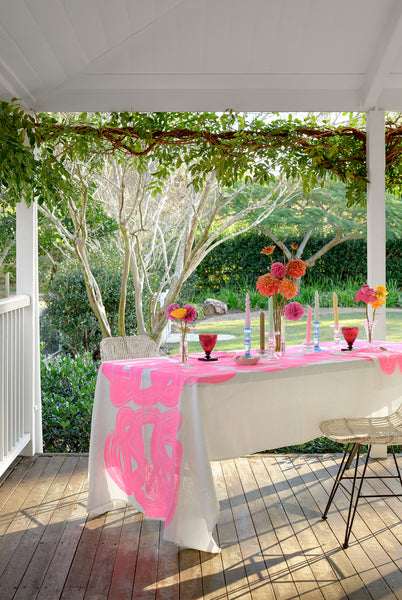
x=159 y=460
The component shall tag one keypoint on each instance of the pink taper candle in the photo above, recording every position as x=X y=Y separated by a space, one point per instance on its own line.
x=247 y=323
x=308 y=331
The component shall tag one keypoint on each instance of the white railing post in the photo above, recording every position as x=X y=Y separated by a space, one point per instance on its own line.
x=27 y=283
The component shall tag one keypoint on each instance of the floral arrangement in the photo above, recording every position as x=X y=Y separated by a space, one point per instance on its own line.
x=279 y=283
x=184 y=314
x=375 y=298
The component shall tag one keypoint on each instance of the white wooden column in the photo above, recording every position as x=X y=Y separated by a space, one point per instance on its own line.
x=376 y=247
x=27 y=283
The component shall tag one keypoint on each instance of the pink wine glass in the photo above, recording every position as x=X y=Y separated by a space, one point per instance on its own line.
x=208 y=341
x=350 y=335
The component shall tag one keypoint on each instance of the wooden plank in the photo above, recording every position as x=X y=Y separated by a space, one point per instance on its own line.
x=301 y=500
x=52 y=531
x=122 y=581
x=168 y=581
x=232 y=559
x=213 y=579
x=32 y=522
x=102 y=566
x=56 y=575
x=361 y=559
x=277 y=567
x=147 y=561
x=256 y=570
x=190 y=573
x=312 y=473
x=298 y=568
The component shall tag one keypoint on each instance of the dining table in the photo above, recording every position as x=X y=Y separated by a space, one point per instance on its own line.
x=157 y=423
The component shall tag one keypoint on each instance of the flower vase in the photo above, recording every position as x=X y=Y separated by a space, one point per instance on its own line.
x=369 y=327
x=279 y=334
x=183 y=347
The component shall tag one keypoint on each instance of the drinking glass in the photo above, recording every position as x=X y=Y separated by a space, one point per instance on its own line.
x=350 y=335
x=208 y=341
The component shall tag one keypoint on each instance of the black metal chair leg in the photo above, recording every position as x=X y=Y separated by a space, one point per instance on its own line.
x=351 y=515
x=396 y=464
x=342 y=468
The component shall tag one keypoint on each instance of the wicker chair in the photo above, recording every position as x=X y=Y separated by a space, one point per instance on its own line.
x=355 y=433
x=123 y=348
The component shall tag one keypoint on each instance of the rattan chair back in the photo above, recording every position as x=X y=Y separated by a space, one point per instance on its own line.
x=127 y=347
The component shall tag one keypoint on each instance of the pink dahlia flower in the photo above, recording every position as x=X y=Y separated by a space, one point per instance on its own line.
x=278 y=270
x=294 y=311
x=170 y=309
x=366 y=294
x=191 y=313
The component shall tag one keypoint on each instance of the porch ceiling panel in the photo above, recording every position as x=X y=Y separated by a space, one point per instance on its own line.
x=283 y=55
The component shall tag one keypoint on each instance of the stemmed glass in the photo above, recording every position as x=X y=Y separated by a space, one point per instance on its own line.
x=208 y=341
x=350 y=335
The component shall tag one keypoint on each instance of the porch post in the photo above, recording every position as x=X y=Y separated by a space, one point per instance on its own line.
x=27 y=283
x=376 y=245
x=376 y=242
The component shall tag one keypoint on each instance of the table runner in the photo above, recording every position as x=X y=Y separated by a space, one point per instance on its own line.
x=152 y=436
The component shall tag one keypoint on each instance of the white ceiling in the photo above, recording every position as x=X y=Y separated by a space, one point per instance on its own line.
x=167 y=55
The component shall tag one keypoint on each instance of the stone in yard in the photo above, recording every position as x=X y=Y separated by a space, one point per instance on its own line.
x=214 y=307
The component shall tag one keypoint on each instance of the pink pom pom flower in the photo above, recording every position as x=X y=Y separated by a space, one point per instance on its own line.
x=170 y=309
x=191 y=313
x=278 y=270
x=294 y=311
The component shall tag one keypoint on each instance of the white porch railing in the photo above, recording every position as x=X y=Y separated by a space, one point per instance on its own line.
x=15 y=422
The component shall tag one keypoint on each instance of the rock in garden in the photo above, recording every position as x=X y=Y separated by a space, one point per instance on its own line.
x=214 y=307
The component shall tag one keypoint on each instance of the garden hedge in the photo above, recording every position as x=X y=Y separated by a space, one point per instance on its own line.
x=238 y=261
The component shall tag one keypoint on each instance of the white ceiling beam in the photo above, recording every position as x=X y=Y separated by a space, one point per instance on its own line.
x=382 y=59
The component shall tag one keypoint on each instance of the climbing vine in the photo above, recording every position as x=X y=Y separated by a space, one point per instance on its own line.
x=33 y=149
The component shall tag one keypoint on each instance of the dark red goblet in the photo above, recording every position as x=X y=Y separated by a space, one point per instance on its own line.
x=350 y=335
x=208 y=341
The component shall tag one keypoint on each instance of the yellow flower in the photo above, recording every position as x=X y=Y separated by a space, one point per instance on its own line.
x=381 y=291
x=378 y=303
x=179 y=313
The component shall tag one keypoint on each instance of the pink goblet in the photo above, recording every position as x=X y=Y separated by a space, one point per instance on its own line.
x=350 y=334
x=208 y=341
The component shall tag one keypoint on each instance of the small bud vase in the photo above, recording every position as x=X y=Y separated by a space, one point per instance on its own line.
x=183 y=347
x=369 y=328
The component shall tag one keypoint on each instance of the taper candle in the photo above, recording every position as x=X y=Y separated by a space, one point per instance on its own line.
x=335 y=303
x=247 y=321
x=316 y=307
x=270 y=315
x=262 y=330
x=309 y=318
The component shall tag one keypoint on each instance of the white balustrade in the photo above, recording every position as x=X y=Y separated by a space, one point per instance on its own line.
x=14 y=413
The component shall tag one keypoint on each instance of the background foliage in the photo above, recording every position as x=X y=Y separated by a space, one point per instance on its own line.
x=69 y=319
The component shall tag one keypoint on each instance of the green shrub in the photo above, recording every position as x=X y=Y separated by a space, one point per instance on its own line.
x=68 y=389
x=69 y=318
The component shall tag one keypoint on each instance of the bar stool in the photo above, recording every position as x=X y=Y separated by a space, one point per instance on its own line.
x=356 y=433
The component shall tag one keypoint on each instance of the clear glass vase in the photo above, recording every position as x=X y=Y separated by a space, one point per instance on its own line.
x=183 y=347
x=369 y=328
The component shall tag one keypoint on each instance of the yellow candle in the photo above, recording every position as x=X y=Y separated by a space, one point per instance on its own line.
x=262 y=330
x=335 y=303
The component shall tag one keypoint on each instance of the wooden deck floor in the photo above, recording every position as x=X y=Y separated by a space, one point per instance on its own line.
x=274 y=543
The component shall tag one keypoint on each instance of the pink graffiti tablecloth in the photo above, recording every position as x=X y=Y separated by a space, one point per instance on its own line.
x=157 y=424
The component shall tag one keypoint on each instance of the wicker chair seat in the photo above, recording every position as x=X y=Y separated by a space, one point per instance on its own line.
x=374 y=430
x=128 y=347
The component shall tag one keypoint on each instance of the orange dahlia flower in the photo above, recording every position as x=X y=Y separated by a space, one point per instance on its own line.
x=296 y=268
x=267 y=284
x=287 y=288
x=267 y=250
x=378 y=303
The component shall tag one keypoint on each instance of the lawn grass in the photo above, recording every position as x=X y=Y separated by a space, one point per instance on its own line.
x=295 y=331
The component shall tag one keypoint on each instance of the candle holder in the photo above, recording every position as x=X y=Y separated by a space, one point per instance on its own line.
x=316 y=336
x=270 y=353
x=247 y=341
x=337 y=335
x=308 y=347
